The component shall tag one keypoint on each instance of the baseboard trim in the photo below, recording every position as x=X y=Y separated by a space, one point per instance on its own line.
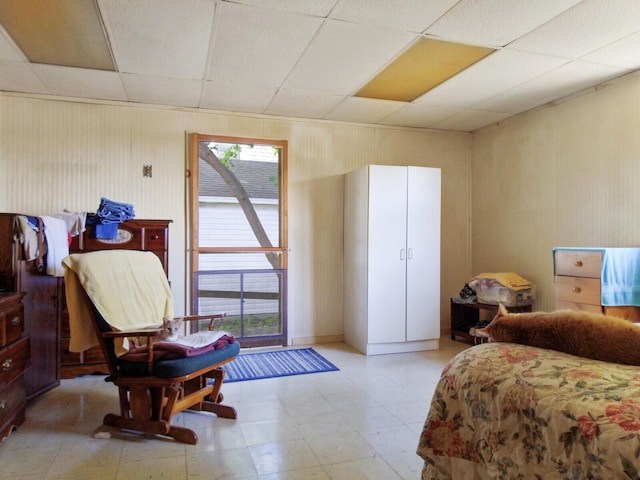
x=317 y=340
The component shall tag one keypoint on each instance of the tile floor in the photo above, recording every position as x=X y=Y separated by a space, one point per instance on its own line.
x=362 y=422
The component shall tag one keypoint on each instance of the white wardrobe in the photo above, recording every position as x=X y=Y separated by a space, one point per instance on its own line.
x=392 y=259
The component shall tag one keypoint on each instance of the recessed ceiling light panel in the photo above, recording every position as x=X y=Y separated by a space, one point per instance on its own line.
x=69 y=32
x=424 y=65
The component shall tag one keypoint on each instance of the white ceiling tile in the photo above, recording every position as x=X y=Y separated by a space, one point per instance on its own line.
x=588 y=26
x=500 y=71
x=345 y=55
x=409 y=15
x=307 y=58
x=363 y=110
x=18 y=77
x=162 y=90
x=495 y=22
x=414 y=115
x=258 y=47
x=302 y=104
x=470 y=120
x=565 y=80
x=8 y=51
x=236 y=97
x=624 y=53
x=81 y=82
x=319 y=8
x=160 y=38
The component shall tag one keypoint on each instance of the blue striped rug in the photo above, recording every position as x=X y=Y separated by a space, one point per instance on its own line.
x=281 y=363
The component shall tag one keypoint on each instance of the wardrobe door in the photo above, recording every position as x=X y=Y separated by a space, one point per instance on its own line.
x=387 y=253
x=423 y=253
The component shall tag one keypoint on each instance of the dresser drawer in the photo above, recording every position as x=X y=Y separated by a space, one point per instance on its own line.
x=579 y=263
x=155 y=239
x=12 y=400
x=14 y=360
x=578 y=290
x=579 y=307
x=11 y=324
x=625 y=312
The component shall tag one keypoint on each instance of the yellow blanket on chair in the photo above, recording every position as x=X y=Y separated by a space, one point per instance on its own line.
x=129 y=288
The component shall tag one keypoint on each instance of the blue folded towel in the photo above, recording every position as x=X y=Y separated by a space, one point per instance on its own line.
x=106 y=231
x=108 y=216
x=114 y=212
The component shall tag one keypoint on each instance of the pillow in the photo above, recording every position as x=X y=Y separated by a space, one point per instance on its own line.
x=583 y=334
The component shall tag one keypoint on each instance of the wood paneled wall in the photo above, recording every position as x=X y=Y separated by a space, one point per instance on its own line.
x=564 y=175
x=57 y=155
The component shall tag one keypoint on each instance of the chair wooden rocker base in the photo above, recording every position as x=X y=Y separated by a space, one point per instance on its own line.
x=148 y=404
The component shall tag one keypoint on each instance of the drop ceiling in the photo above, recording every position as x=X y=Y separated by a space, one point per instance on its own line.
x=310 y=58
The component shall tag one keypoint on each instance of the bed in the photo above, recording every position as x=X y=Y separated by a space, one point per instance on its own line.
x=511 y=411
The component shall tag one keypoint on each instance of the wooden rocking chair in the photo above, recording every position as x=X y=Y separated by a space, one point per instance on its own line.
x=126 y=289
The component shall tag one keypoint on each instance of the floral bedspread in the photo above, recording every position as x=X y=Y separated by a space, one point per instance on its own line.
x=520 y=412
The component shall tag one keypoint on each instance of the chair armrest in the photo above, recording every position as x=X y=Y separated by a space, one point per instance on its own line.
x=190 y=318
x=212 y=317
x=149 y=333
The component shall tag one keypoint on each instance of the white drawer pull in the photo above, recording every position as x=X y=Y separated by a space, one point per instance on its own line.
x=576 y=289
x=3 y=405
x=7 y=365
x=578 y=263
x=15 y=321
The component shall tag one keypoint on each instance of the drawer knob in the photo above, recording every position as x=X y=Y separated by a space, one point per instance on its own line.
x=155 y=237
x=576 y=289
x=15 y=321
x=7 y=365
x=3 y=405
x=578 y=263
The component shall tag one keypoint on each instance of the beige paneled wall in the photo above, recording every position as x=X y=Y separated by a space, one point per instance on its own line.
x=58 y=155
x=565 y=175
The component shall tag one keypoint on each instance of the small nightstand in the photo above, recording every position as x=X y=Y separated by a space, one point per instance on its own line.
x=465 y=316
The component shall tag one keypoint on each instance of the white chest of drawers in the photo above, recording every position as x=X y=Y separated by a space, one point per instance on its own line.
x=579 y=282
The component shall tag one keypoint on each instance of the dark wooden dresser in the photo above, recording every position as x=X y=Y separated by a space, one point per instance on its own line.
x=14 y=361
x=41 y=309
x=45 y=313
